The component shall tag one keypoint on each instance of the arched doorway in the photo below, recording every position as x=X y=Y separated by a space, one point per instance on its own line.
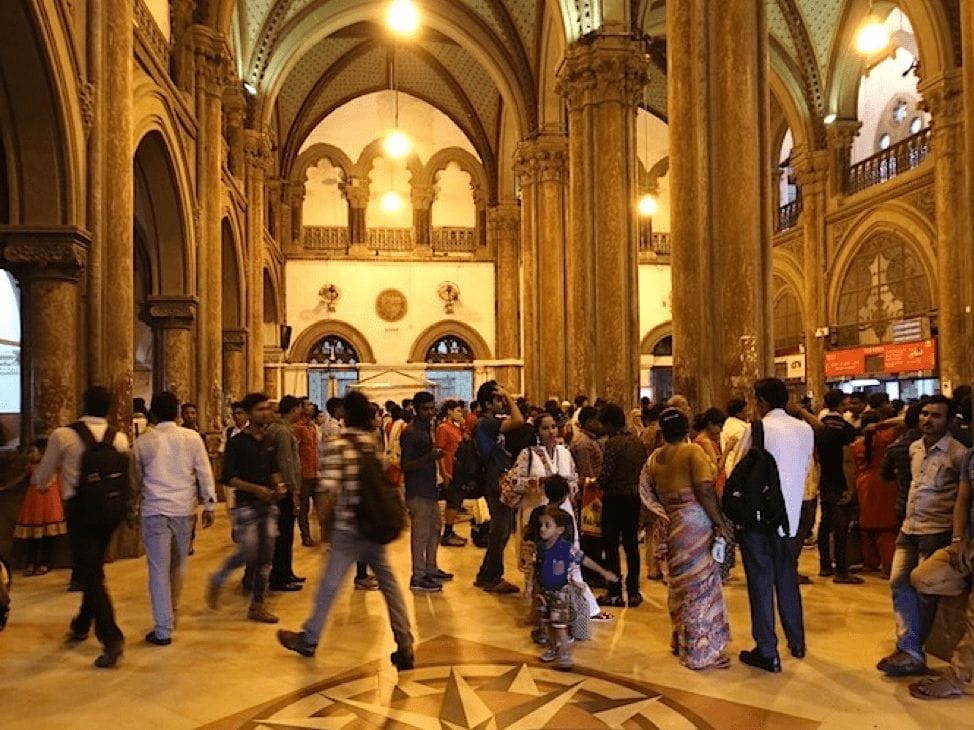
x=10 y=375
x=450 y=366
x=332 y=368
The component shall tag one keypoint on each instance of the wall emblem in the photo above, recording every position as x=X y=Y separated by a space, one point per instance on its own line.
x=390 y=305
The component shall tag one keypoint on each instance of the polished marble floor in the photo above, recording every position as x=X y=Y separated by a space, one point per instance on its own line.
x=476 y=666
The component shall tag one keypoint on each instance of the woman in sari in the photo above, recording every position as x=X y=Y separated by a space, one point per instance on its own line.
x=677 y=484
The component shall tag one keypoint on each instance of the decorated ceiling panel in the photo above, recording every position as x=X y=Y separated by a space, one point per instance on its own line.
x=778 y=29
x=821 y=19
x=305 y=74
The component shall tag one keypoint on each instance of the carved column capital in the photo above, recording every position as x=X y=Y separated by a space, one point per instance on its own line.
x=234 y=339
x=811 y=167
x=943 y=98
x=258 y=150
x=505 y=219
x=234 y=107
x=542 y=159
x=356 y=193
x=842 y=132
x=422 y=196
x=214 y=64
x=57 y=252
x=171 y=312
x=610 y=69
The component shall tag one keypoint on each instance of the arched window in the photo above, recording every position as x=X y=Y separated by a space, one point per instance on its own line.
x=333 y=368
x=451 y=359
x=885 y=283
x=450 y=350
x=333 y=350
x=664 y=348
x=787 y=322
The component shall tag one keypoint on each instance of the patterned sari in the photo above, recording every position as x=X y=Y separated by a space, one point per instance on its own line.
x=696 y=602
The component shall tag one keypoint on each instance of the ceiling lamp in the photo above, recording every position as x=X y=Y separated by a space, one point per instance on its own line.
x=873 y=36
x=402 y=17
x=397 y=144
x=648 y=206
x=391 y=202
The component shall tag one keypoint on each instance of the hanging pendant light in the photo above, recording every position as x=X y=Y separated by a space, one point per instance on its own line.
x=397 y=144
x=648 y=205
x=873 y=35
x=391 y=202
x=402 y=17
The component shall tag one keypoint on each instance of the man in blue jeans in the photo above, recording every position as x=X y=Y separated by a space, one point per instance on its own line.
x=250 y=467
x=336 y=501
x=170 y=468
x=489 y=435
x=936 y=460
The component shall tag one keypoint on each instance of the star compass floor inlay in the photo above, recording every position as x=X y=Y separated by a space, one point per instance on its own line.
x=463 y=685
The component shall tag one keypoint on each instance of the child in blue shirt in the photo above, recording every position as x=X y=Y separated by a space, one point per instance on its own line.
x=556 y=558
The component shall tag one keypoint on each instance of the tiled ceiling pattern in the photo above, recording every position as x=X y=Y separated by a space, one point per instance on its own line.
x=778 y=29
x=308 y=71
x=477 y=84
x=525 y=16
x=256 y=12
x=654 y=93
x=821 y=19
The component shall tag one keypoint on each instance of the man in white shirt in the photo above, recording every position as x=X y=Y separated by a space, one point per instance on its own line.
x=89 y=542
x=767 y=555
x=731 y=432
x=171 y=468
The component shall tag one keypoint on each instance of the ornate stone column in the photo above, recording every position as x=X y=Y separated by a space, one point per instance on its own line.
x=839 y=136
x=235 y=363
x=48 y=264
x=721 y=225
x=541 y=166
x=504 y=225
x=258 y=152
x=812 y=172
x=118 y=260
x=422 y=197
x=602 y=82
x=945 y=102
x=235 y=108
x=357 y=195
x=171 y=319
x=212 y=70
x=296 y=195
x=271 y=382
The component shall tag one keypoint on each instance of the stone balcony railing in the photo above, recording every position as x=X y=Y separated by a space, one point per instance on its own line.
x=655 y=243
x=391 y=239
x=454 y=240
x=146 y=26
x=788 y=216
x=326 y=238
x=887 y=164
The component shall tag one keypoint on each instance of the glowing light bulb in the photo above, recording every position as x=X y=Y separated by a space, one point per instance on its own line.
x=402 y=17
x=648 y=206
x=829 y=119
x=397 y=144
x=391 y=202
x=872 y=37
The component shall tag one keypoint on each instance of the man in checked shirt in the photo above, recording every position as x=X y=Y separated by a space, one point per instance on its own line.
x=339 y=493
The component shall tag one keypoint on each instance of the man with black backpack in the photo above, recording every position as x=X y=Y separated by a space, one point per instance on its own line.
x=92 y=460
x=785 y=447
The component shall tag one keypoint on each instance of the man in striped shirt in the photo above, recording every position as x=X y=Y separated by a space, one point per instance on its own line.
x=338 y=493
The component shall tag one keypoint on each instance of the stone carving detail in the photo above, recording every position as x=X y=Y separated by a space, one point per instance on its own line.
x=171 y=311
x=610 y=71
x=146 y=26
x=257 y=150
x=542 y=160
x=86 y=99
x=234 y=339
x=391 y=305
x=54 y=254
x=925 y=201
x=214 y=66
x=504 y=220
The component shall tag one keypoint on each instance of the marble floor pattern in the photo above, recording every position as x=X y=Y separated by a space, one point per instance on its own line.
x=476 y=665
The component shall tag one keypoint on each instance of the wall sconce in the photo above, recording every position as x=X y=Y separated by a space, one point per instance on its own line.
x=328 y=295
x=449 y=293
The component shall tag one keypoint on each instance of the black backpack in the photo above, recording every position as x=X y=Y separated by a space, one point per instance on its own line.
x=469 y=469
x=752 y=495
x=103 y=491
x=381 y=513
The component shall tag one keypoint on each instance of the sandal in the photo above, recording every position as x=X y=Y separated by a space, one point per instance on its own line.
x=41 y=570
x=616 y=601
x=941 y=688
x=601 y=616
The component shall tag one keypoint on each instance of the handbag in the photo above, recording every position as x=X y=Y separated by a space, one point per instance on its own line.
x=512 y=486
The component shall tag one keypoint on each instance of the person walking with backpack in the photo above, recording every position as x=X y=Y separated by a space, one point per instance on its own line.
x=92 y=461
x=345 y=460
x=171 y=468
x=766 y=548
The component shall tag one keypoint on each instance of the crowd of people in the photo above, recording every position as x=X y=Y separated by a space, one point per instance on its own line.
x=888 y=485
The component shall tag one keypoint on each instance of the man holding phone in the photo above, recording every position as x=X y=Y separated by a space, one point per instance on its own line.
x=419 y=457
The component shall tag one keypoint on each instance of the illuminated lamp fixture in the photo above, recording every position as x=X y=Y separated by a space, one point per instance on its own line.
x=648 y=206
x=391 y=202
x=449 y=294
x=250 y=88
x=873 y=35
x=402 y=17
x=396 y=144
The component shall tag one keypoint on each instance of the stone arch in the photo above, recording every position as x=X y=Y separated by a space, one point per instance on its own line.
x=654 y=337
x=374 y=149
x=310 y=157
x=796 y=115
x=551 y=106
x=466 y=161
x=428 y=337
x=935 y=44
x=782 y=289
x=40 y=119
x=305 y=342
x=160 y=216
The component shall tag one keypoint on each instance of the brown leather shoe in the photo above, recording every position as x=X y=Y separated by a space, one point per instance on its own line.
x=502 y=586
x=258 y=613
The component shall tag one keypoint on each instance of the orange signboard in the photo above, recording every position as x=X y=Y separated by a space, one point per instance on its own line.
x=896 y=358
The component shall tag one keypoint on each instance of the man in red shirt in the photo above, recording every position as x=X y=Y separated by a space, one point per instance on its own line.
x=307 y=434
x=448 y=438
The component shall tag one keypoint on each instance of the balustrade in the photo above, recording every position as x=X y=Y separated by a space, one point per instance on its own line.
x=654 y=242
x=887 y=164
x=454 y=240
x=391 y=239
x=788 y=215
x=325 y=238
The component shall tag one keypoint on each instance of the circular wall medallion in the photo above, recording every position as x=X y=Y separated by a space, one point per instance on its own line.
x=390 y=305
